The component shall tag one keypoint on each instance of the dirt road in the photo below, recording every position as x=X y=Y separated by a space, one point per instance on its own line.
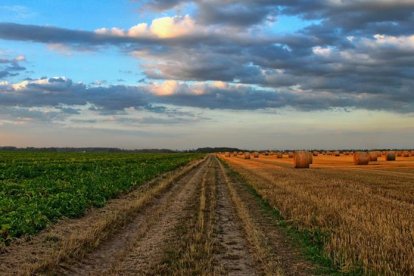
x=203 y=222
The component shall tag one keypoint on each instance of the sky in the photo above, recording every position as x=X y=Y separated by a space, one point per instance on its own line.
x=182 y=74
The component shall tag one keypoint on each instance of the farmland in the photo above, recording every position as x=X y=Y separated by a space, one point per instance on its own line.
x=363 y=214
x=36 y=189
x=214 y=214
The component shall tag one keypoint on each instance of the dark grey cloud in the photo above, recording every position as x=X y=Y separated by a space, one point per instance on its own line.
x=160 y=5
x=65 y=97
x=236 y=13
x=351 y=15
x=49 y=34
x=240 y=13
x=55 y=92
x=10 y=67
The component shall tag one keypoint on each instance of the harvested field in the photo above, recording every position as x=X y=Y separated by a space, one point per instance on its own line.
x=364 y=214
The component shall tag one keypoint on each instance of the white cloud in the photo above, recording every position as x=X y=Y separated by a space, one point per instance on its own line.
x=320 y=51
x=400 y=42
x=60 y=48
x=168 y=27
x=20 y=58
x=138 y=30
x=164 y=27
x=166 y=88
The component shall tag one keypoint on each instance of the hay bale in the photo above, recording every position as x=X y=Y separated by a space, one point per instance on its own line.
x=337 y=153
x=310 y=157
x=390 y=156
x=406 y=154
x=302 y=159
x=256 y=155
x=290 y=154
x=315 y=153
x=227 y=154
x=246 y=155
x=399 y=153
x=373 y=156
x=361 y=158
x=279 y=155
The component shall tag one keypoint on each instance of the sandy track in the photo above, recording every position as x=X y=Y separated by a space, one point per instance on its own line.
x=234 y=253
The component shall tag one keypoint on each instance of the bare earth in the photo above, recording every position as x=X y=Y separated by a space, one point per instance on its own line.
x=198 y=220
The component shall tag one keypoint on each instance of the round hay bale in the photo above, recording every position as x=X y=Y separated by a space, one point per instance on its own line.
x=373 y=156
x=310 y=157
x=390 y=156
x=227 y=154
x=246 y=155
x=337 y=153
x=406 y=154
x=290 y=154
x=256 y=155
x=361 y=158
x=279 y=155
x=399 y=153
x=315 y=153
x=302 y=159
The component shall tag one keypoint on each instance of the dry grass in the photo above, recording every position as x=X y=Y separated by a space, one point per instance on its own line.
x=192 y=253
x=368 y=214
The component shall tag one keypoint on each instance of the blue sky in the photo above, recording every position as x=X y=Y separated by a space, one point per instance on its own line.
x=183 y=74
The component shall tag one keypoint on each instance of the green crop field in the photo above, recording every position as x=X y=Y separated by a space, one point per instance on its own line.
x=38 y=188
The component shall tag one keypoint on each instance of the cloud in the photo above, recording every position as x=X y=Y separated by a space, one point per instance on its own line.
x=168 y=27
x=11 y=67
x=359 y=53
x=166 y=88
x=62 y=92
x=164 y=27
x=241 y=13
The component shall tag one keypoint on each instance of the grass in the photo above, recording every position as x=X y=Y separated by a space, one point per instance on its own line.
x=192 y=253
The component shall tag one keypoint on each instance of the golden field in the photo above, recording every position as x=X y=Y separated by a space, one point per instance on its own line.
x=366 y=212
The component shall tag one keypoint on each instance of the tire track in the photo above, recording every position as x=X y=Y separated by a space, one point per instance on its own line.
x=137 y=247
x=234 y=253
